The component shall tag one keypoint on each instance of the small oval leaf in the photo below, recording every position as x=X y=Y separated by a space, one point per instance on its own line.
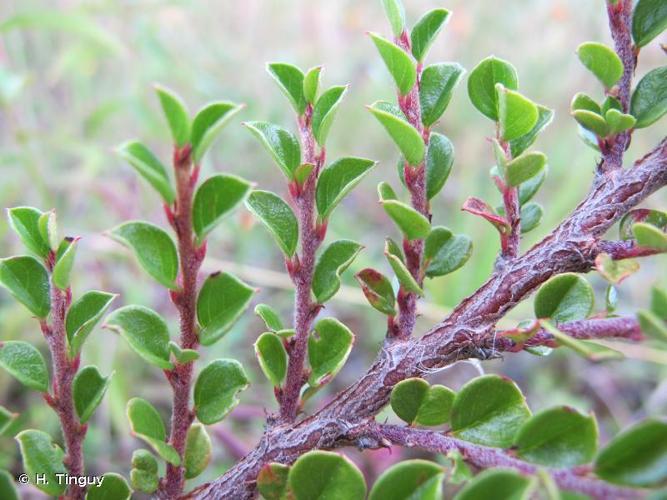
x=28 y=282
x=216 y=197
x=25 y=223
x=278 y=218
x=216 y=389
x=399 y=64
x=272 y=357
x=112 y=487
x=281 y=144
x=323 y=474
x=328 y=348
x=378 y=290
x=439 y=161
x=409 y=480
x=404 y=135
x=482 y=84
x=566 y=297
x=335 y=259
x=208 y=122
x=336 y=180
x=88 y=389
x=649 y=19
x=324 y=112
x=417 y=402
x=83 y=315
x=290 y=80
x=425 y=30
x=149 y=167
x=649 y=99
x=197 y=451
x=147 y=424
x=42 y=458
x=602 y=61
x=517 y=115
x=25 y=363
x=176 y=114
x=445 y=252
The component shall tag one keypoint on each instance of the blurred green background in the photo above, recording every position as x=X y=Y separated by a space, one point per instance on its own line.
x=75 y=81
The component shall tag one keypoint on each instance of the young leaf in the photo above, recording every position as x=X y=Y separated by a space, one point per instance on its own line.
x=436 y=87
x=272 y=481
x=328 y=348
x=83 y=315
x=529 y=188
x=396 y=14
x=149 y=167
x=88 y=389
x=145 y=331
x=290 y=80
x=176 y=114
x=197 y=451
x=412 y=224
x=48 y=228
x=654 y=217
x=615 y=271
x=28 y=282
x=335 y=259
x=378 y=290
x=636 y=456
x=208 y=122
x=215 y=198
x=647 y=235
x=399 y=64
x=496 y=483
x=405 y=278
x=525 y=167
x=404 y=135
x=325 y=111
x=445 y=252
x=221 y=301
x=281 y=144
x=63 y=268
x=482 y=84
x=42 y=458
x=649 y=19
x=336 y=180
x=311 y=83
x=182 y=356
x=153 y=247
x=216 y=389
x=147 y=424
x=602 y=61
x=425 y=30
x=649 y=99
x=270 y=317
x=582 y=101
x=439 y=161
x=324 y=474
x=416 y=402
x=278 y=218
x=25 y=363
x=531 y=216
x=408 y=480
x=143 y=475
x=25 y=223
x=591 y=121
x=610 y=103
x=394 y=249
x=566 y=297
x=618 y=122
x=272 y=357
x=520 y=144
x=482 y=209
x=113 y=486
x=558 y=437
x=489 y=410
x=517 y=115
x=386 y=192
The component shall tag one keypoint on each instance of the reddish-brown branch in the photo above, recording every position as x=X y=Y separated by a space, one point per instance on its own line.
x=511 y=240
x=626 y=249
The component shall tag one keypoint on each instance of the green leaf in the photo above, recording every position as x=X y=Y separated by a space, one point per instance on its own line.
x=416 y=402
x=566 y=297
x=517 y=114
x=272 y=481
x=425 y=30
x=394 y=249
x=153 y=247
x=221 y=301
x=649 y=19
x=112 y=487
x=325 y=111
x=28 y=282
x=7 y=487
x=7 y=418
x=439 y=161
x=208 y=123
x=143 y=475
x=529 y=188
x=615 y=271
x=323 y=474
x=590 y=139
x=489 y=410
x=647 y=235
x=396 y=14
x=149 y=167
x=589 y=350
x=215 y=198
x=636 y=456
x=176 y=114
x=281 y=144
x=272 y=357
x=404 y=135
x=531 y=216
x=25 y=223
x=482 y=84
x=290 y=80
x=197 y=451
x=652 y=325
x=649 y=99
x=278 y=218
x=436 y=87
x=558 y=437
x=619 y=122
x=498 y=484
x=83 y=315
x=524 y=167
x=25 y=363
x=42 y=458
x=659 y=302
x=145 y=331
x=610 y=103
x=63 y=268
x=591 y=121
x=270 y=317
x=399 y=64
x=656 y=218
x=445 y=252
x=147 y=424
x=336 y=180
x=409 y=480
x=405 y=278
x=335 y=259
x=182 y=356
x=311 y=83
x=48 y=228
x=216 y=389
x=386 y=192
x=328 y=348
x=520 y=144
x=602 y=61
x=378 y=290
x=88 y=389
x=584 y=102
